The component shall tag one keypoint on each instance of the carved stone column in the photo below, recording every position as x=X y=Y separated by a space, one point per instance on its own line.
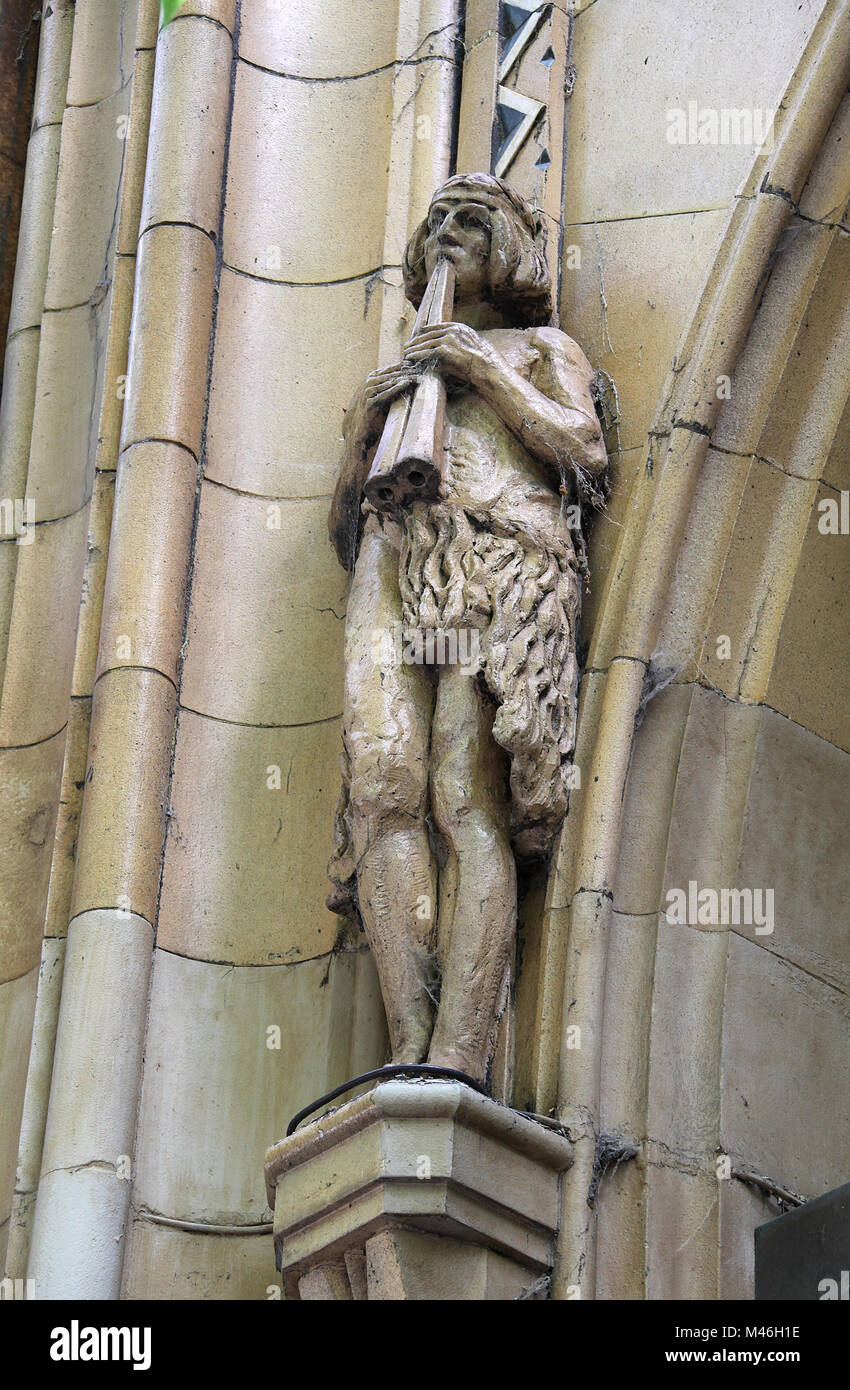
x=417 y=1190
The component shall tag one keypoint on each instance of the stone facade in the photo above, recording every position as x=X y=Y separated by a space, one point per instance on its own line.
x=213 y=224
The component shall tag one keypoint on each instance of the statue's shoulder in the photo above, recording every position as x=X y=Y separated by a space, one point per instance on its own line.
x=553 y=342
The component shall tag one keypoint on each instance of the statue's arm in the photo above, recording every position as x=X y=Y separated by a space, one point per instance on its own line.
x=344 y=518
x=564 y=376
x=362 y=426
x=552 y=415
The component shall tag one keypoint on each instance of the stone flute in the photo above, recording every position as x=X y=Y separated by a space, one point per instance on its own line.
x=408 y=462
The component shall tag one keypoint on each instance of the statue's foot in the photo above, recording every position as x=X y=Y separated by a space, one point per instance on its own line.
x=456 y=1060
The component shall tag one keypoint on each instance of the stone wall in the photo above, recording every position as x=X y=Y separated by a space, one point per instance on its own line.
x=713 y=289
x=228 y=205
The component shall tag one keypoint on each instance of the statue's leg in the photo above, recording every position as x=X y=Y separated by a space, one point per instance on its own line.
x=387 y=725
x=470 y=802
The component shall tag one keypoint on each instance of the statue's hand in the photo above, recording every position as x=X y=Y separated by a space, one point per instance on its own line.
x=366 y=418
x=455 y=350
x=364 y=421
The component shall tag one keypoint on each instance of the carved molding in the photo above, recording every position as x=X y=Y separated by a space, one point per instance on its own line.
x=370 y=1199
x=512 y=115
x=639 y=598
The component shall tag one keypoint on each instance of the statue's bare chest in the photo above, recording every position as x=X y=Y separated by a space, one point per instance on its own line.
x=485 y=462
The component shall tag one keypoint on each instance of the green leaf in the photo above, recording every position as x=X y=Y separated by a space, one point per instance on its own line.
x=168 y=9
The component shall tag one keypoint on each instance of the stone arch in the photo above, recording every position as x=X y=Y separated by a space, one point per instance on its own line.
x=719 y=533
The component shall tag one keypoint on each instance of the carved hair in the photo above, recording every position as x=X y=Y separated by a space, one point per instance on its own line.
x=519 y=275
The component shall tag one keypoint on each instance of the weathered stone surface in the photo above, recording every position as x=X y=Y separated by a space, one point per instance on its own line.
x=102 y=946
x=188 y=126
x=17 y=1003
x=793 y=833
x=30 y=779
x=145 y=588
x=41 y=635
x=777 y=1011
x=279 y=193
x=431 y=1156
x=165 y=1262
x=288 y=445
x=464 y=457
x=811 y=673
x=91 y=1205
x=289 y=1032
x=624 y=284
x=119 y=856
x=249 y=842
x=620 y=167
x=264 y=639
x=172 y=313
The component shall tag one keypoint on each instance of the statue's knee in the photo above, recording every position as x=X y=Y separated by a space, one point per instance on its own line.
x=386 y=791
x=451 y=800
x=459 y=815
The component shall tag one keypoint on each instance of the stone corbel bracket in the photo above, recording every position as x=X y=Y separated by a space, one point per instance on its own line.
x=417 y=1190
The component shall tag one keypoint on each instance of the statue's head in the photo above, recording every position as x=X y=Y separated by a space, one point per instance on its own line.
x=496 y=241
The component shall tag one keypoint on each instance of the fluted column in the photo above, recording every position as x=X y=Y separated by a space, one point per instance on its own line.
x=134 y=658
x=66 y=309
x=340 y=125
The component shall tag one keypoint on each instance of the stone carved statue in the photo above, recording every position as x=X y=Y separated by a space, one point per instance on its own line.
x=460 y=645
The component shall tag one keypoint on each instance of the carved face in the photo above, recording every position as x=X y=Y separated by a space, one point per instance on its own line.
x=461 y=231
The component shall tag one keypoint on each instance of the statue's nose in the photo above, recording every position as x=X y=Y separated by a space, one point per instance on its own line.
x=447 y=226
